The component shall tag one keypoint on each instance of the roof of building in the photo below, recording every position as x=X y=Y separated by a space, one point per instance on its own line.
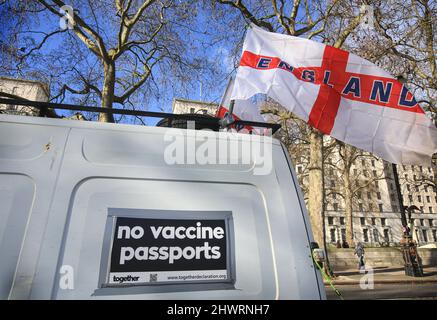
x=43 y=85
x=194 y=101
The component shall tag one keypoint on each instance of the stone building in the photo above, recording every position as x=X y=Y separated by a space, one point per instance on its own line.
x=193 y=106
x=376 y=206
x=419 y=190
x=26 y=89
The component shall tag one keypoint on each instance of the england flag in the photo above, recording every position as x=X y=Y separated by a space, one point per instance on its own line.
x=338 y=93
x=243 y=109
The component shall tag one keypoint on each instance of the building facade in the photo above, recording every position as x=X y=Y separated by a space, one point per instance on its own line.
x=193 y=106
x=26 y=89
x=376 y=206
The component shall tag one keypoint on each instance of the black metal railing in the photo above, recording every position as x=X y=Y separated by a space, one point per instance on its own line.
x=43 y=106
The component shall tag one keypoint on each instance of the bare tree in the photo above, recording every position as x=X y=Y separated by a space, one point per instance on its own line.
x=349 y=167
x=403 y=42
x=113 y=47
x=329 y=21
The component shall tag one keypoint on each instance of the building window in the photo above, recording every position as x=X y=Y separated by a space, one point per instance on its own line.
x=421 y=209
x=430 y=222
x=373 y=221
x=373 y=163
x=419 y=198
x=335 y=205
x=334 y=196
x=375 y=235
x=359 y=194
x=370 y=206
x=410 y=197
x=360 y=205
x=362 y=221
x=434 y=235
x=343 y=235
x=342 y=221
x=421 y=222
x=332 y=183
x=332 y=235
x=430 y=210
x=378 y=195
x=428 y=199
x=330 y=221
x=381 y=209
x=386 y=236
x=376 y=184
x=299 y=169
x=383 y=222
x=374 y=173
x=363 y=162
x=425 y=236
x=366 y=235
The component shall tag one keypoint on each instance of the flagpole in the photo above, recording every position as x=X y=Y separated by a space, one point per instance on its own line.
x=228 y=119
x=231 y=108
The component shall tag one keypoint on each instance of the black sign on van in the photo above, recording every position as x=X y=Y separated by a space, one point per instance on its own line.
x=147 y=251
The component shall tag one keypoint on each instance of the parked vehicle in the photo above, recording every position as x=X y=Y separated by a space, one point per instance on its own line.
x=96 y=211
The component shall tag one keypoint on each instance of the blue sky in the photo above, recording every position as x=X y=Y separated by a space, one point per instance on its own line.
x=201 y=34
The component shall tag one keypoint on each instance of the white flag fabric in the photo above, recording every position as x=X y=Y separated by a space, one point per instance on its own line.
x=337 y=92
x=243 y=109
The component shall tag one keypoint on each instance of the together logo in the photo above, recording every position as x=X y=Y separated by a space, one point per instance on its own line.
x=128 y=278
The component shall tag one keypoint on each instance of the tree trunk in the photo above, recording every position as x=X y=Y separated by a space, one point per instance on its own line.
x=348 y=210
x=316 y=192
x=108 y=91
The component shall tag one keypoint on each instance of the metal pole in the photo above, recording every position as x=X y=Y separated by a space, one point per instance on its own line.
x=400 y=198
x=231 y=107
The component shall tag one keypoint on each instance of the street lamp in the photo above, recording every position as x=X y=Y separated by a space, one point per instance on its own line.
x=412 y=265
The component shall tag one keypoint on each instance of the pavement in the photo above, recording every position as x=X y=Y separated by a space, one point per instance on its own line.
x=383 y=275
x=388 y=291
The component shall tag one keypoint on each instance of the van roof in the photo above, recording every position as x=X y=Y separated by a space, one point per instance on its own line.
x=130 y=128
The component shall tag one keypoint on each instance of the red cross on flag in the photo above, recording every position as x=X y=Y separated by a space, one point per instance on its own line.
x=337 y=92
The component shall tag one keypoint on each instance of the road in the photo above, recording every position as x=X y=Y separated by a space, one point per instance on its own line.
x=385 y=291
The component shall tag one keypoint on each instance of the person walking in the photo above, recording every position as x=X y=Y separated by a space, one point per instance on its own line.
x=359 y=252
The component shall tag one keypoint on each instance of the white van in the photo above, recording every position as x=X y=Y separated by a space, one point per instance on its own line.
x=105 y=211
